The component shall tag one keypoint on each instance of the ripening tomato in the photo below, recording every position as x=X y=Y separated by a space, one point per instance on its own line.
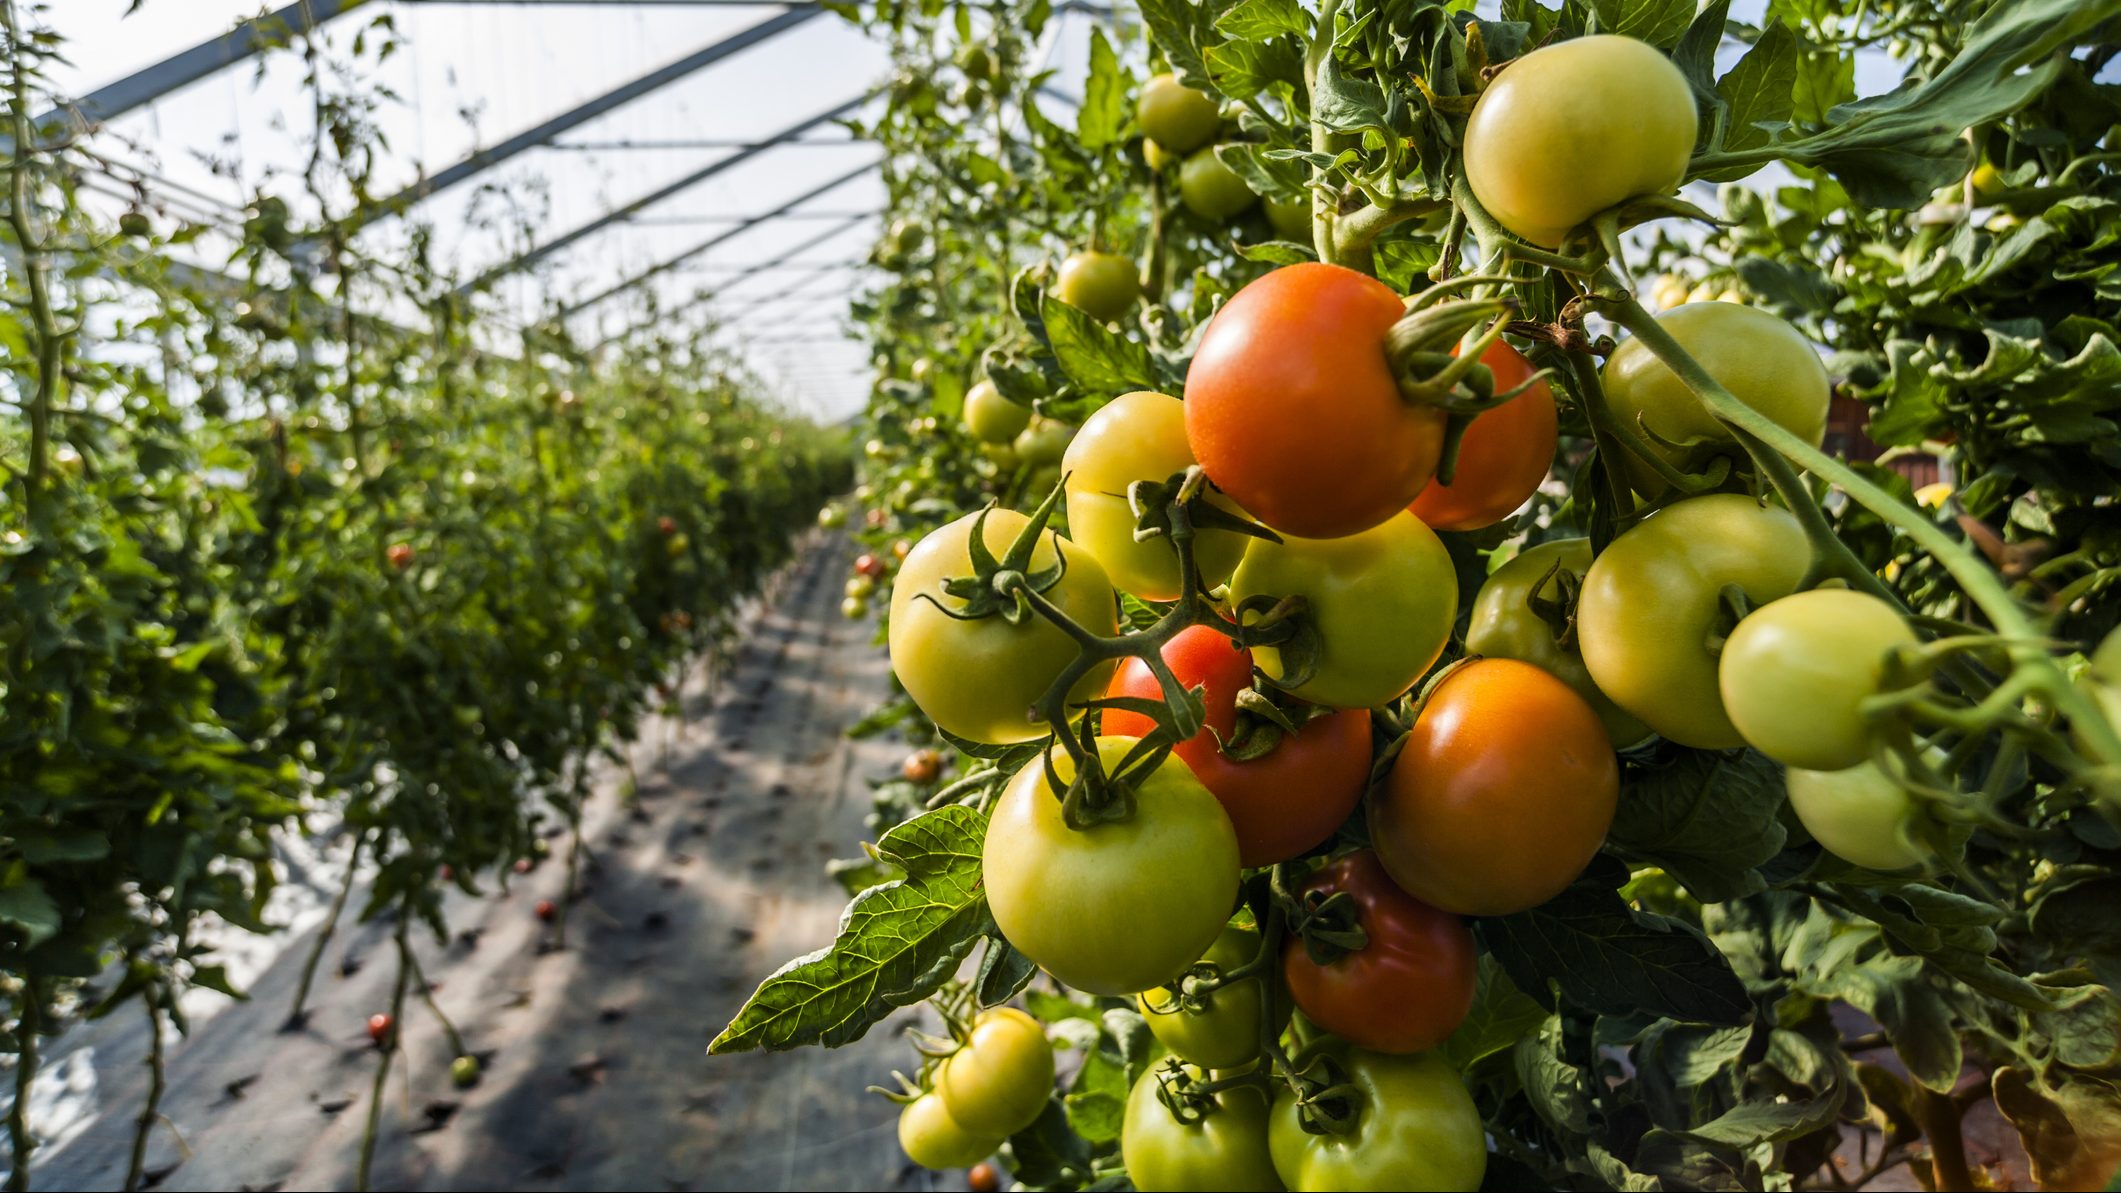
x=1795 y=672
x=1411 y=983
x=1121 y=906
x=1175 y=116
x=983 y=1178
x=1572 y=129
x=979 y=679
x=1224 y=1033
x=380 y=1029
x=1416 y=1127
x=1224 y=1149
x=1101 y=285
x=932 y=1139
x=921 y=766
x=1210 y=189
x=1293 y=409
x=991 y=417
x=1862 y=815
x=1138 y=436
x=999 y=1080
x=1505 y=626
x=1653 y=598
x=1503 y=455
x=1155 y=156
x=1281 y=803
x=1501 y=794
x=401 y=555
x=1383 y=601
x=1763 y=361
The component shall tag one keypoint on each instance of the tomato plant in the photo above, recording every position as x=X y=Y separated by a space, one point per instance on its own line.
x=1526 y=611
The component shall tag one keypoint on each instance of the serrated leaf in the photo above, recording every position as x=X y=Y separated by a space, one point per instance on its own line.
x=1501 y=1015
x=1103 y=114
x=1760 y=92
x=1093 y=356
x=1259 y=20
x=1658 y=22
x=1707 y=818
x=1749 y=1124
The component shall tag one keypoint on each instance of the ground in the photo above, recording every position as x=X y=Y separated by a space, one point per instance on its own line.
x=595 y=1067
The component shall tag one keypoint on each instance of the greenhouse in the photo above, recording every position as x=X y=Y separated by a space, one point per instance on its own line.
x=1061 y=594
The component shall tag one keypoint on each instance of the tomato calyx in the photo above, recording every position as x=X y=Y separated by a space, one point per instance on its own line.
x=1004 y=586
x=1732 y=606
x=1178 y=506
x=1330 y=925
x=1284 y=623
x=1559 y=610
x=1265 y=715
x=1328 y=1102
x=1190 y=1095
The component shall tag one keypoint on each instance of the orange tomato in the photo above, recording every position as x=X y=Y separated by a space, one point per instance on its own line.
x=1504 y=455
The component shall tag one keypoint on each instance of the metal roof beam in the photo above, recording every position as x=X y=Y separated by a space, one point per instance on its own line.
x=706 y=295
x=627 y=211
x=150 y=83
x=531 y=138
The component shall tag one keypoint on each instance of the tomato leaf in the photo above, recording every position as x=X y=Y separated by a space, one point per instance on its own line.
x=1103 y=114
x=1708 y=818
x=1659 y=22
x=1096 y=358
x=1501 y=1015
x=897 y=943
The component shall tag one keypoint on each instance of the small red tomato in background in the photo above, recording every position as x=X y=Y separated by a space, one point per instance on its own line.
x=869 y=565
x=983 y=1178
x=1503 y=456
x=921 y=766
x=379 y=1029
x=1408 y=987
x=1281 y=803
x=546 y=910
x=667 y=524
x=900 y=548
x=401 y=555
x=447 y=873
x=876 y=519
x=523 y=865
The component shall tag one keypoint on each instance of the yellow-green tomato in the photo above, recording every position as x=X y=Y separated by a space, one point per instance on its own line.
x=1505 y=626
x=1415 y=1128
x=1382 y=600
x=1101 y=285
x=991 y=417
x=1122 y=905
x=1139 y=436
x=1225 y=1149
x=1210 y=189
x=1795 y=672
x=1569 y=130
x=1224 y=1032
x=1762 y=360
x=1044 y=443
x=1653 y=599
x=1000 y=1080
x=979 y=679
x=1860 y=814
x=1291 y=219
x=933 y=1139
x=1155 y=155
x=1175 y=116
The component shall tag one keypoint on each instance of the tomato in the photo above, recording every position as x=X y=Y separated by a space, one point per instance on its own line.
x=1225 y=1149
x=858 y=588
x=1383 y=601
x=1763 y=361
x=1291 y=220
x=921 y=766
x=1861 y=815
x=983 y=1178
x=869 y=565
x=854 y=608
x=1122 y=906
x=1224 y=1033
x=401 y=555
x=991 y=417
x=666 y=525
x=832 y=517
x=1101 y=285
x=1502 y=793
x=1794 y=672
x=1210 y=189
x=1504 y=626
x=1155 y=156
x=1416 y=1128
x=923 y=371
x=545 y=910
x=1001 y=1078
x=1292 y=407
x=1503 y=455
x=1138 y=436
x=1043 y=444
x=1569 y=130
x=1282 y=803
x=979 y=679
x=932 y=1139
x=380 y=1028
x=905 y=236
x=464 y=1072
x=1652 y=599
x=1407 y=988
x=1176 y=116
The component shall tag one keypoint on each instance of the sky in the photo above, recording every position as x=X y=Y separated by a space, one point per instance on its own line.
x=470 y=74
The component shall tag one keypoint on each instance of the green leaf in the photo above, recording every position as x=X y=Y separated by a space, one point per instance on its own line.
x=29 y=908
x=1103 y=114
x=896 y=944
x=1093 y=356
x=1749 y=1124
x=1707 y=818
x=1501 y=1015
x=1260 y=20
x=1659 y=22
x=1759 y=93
x=1180 y=29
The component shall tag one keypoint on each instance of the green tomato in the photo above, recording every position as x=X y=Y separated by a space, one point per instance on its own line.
x=1416 y=1128
x=464 y=1071
x=1383 y=601
x=1122 y=906
x=1101 y=285
x=991 y=417
x=1210 y=189
x=1795 y=672
x=1225 y=1149
x=1763 y=361
x=999 y=1081
x=905 y=236
x=923 y=371
x=1570 y=130
x=933 y=1139
x=1223 y=1034
x=1176 y=116
x=854 y=608
x=1652 y=600
x=977 y=62
x=1155 y=156
x=1504 y=626
x=979 y=679
x=859 y=587
x=1044 y=443
x=1139 y=436
x=832 y=517
x=1861 y=815
x=1291 y=219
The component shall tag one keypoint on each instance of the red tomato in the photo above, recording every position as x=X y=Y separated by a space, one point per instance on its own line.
x=667 y=524
x=869 y=565
x=1502 y=793
x=1281 y=804
x=545 y=910
x=1292 y=408
x=1504 y=455
x=1403 y=991
x=401 y=555
x=379 y=1029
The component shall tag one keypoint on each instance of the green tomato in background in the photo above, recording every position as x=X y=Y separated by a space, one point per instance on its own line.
x=1176 y=116
x=991 y=417
x=1212 y=190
